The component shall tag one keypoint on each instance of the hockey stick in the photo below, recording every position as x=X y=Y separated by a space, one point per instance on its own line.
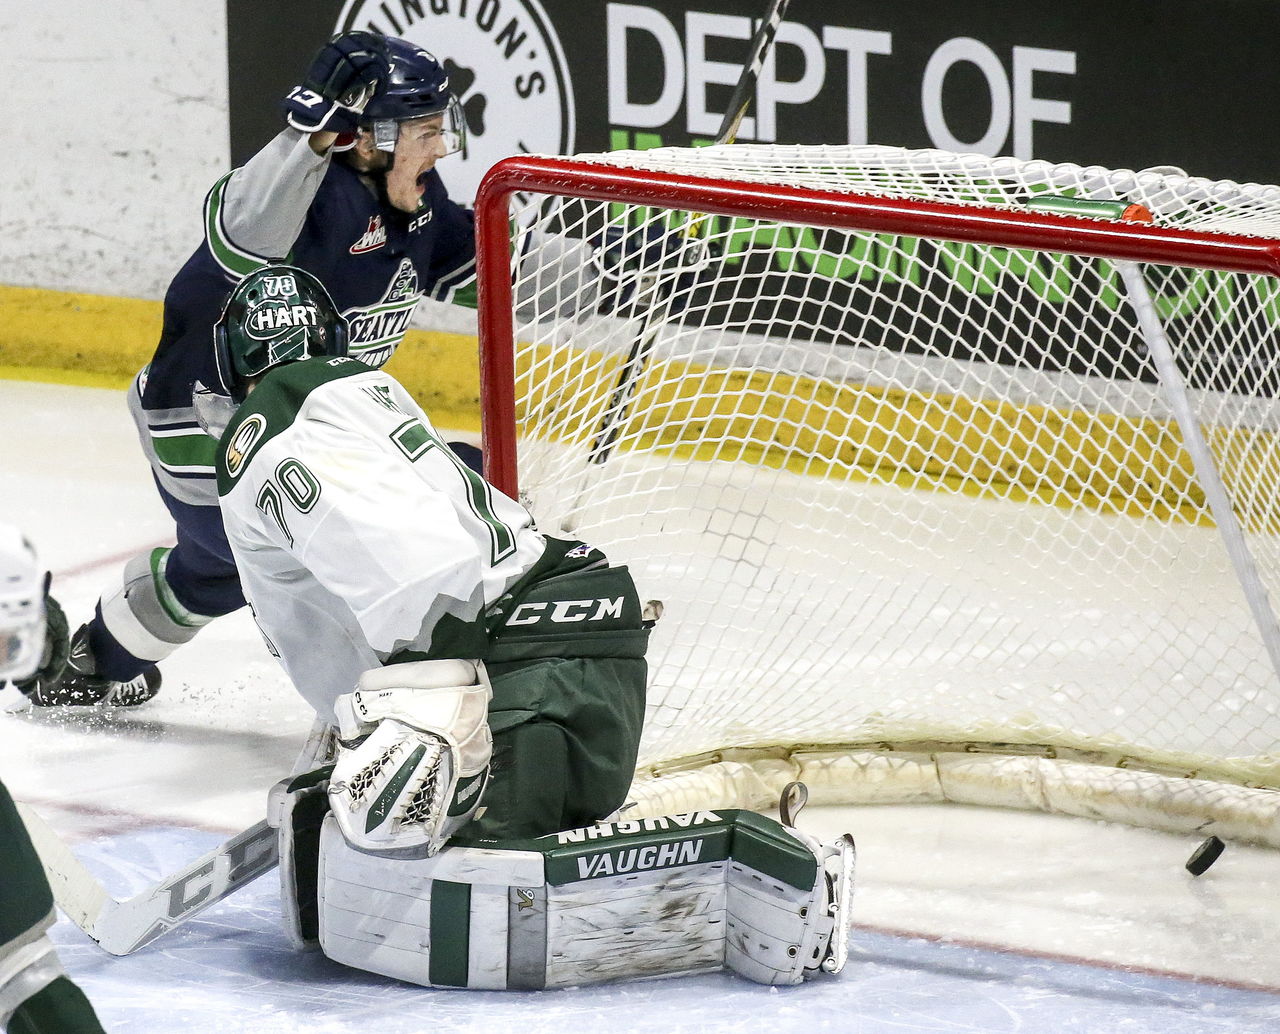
x=615 y=412
x=122 y=927
x=746 y=85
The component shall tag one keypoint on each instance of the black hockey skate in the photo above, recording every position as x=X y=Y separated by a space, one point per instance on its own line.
x=82 y=686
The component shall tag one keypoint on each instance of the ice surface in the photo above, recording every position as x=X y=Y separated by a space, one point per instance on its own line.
x=968 y=920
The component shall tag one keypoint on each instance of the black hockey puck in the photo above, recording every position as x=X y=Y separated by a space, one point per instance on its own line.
x=1204 y=856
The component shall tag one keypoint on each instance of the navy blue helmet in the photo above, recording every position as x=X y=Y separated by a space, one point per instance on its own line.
x=414 y=85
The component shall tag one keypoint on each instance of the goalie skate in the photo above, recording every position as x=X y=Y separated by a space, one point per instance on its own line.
x=839 y=863
x=840 y=889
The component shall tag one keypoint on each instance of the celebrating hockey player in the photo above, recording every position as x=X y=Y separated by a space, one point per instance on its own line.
x=484 y=684
x=35 y=994
x=348 y=190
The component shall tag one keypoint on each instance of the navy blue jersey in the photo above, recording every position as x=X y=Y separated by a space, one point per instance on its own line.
x=375 y=260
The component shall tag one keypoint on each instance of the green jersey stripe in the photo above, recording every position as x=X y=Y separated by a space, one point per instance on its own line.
x=185 y=450
x=236 y=261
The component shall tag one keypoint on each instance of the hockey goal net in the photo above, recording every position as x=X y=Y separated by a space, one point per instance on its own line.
x=954 y=483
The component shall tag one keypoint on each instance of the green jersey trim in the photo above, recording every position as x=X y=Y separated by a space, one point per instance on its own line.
x=184 y=452
x=176 y=612
x=234 y=260
x=465 y=296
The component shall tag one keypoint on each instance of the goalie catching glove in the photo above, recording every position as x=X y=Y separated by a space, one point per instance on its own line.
x=413 y=754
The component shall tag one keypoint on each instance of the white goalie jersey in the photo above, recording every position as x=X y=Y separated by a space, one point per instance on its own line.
x=359 y=536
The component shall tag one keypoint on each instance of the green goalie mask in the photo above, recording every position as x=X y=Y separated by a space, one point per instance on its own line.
x=277 y=314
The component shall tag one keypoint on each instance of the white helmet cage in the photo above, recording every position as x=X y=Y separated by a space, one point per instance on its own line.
x=453 y=129
x=23 y=584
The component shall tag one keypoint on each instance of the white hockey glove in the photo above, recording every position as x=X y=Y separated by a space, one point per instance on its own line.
x=413 y=754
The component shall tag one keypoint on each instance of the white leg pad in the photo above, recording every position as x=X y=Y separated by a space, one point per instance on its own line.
x=628 y=900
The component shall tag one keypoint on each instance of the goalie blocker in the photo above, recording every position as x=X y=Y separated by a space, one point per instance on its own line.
x=652 y=897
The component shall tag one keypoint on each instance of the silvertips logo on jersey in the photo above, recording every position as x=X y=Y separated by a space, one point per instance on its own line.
x=505 y=65
x=241 y=443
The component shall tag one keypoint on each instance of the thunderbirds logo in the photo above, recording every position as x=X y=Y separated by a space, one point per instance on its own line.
x=505 y=65
x=374 y=332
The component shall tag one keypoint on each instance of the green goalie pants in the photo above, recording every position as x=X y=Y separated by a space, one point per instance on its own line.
x=568 y=673
x=31 y=1002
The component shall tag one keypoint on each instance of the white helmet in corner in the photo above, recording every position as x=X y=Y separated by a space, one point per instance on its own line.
x=23 y=584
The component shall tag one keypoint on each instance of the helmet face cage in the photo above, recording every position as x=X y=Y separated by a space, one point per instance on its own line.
x=22 y=614
x=277 y=314
x=453 y=129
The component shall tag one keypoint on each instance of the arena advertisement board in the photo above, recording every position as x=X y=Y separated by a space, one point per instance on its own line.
x=1121 y=83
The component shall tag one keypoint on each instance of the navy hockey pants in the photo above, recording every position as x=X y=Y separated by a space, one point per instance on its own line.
x=200 y=572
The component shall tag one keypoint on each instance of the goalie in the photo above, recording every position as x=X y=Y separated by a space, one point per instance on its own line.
x=486 y=685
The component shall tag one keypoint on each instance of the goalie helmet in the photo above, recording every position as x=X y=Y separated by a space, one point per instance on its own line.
x=277 y=314
x=414 y=86
x=23 y=584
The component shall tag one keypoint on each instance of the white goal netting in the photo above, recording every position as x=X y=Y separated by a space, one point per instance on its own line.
x=927 y=516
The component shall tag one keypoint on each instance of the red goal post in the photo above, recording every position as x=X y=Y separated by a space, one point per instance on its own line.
x=1049 y=740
